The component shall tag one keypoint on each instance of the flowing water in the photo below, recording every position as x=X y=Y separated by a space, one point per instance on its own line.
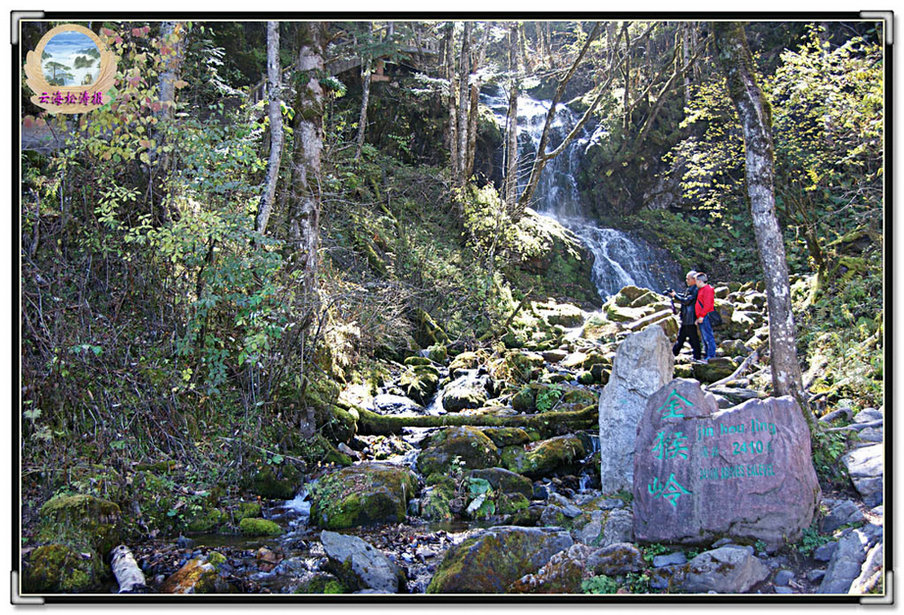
x=621 y=258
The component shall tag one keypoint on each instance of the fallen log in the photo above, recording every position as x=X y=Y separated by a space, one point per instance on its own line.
x=548 y=424
x=126 y=570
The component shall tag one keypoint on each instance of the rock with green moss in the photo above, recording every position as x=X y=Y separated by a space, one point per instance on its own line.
x=362 y=494
x=428 y=332
x=506 y=436
x=580 y=397
x=618 y=313
x=715 y=369
x=57 y=568
x=415 y=361
x=466 y=392
x=278 y=482
x=82 y=521
x=628 y=295
x=465 y=361
x=255 y=526
x=437 y=353
x=320 y=583
x=564 y=314
x=207 y=519
x=544 y=457
x=504 y=481
x=586 y=378
x=465 y=445
x=525 y=399
x=519 y=366
x=420 y=383
x=436 y=501
x=491 y=560
x=247 y=509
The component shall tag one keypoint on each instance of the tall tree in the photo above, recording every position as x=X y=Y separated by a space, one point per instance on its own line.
x=756 y=124
x=510 y=188
x=464 y=69
x=474 y=112
x=304 y=200
x=276 y=127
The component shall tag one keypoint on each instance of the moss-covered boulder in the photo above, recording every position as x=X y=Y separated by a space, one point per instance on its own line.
x=245 y=510
x=525 y=399
x=278 y=482
x=416 y=361
x=438 y=353
x=420 y=382
x=436 y=501
x=506 y=436
x=321 y=583
x=255 y=526
x=466 y=445
x=505 y=481
x=466 y=361
x=544 y=457
x=198 y=576
x=491 y=560
x=715 y=369
x=57 y=568
x=628 y=295
x=563 y=314
x=465 y=393
x=519 y=366
x=82 y=521
x=207 y=519
x=363 y=494
x=617 y=313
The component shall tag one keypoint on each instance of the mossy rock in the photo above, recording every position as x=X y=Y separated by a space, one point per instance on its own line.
x=520 y=366
x=491 y=560
x=279 y=482
x=525 y=399
x=471 y=446
x=420 y=383
x=337 y=423
x=247 y=509
x=505 y=481
x=466 y=360
x=321 y=583
x=255 y=526
x=81 y=521
x=428 y=332
x=414 y=361
x=544 y=457
x=684 y=370
x=511 y=503
x=363 y=494
x=586 y=378
x=467 y=395
x=506 y=436
x=628 y=295
x=207 y=519
x=438 y=353
x=436 y=502
x=716 y=369
x=580 y=397
x=563 y=314
x=57 y=568
x=647 y=298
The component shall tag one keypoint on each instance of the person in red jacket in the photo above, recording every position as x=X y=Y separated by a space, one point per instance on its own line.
x=706 y=303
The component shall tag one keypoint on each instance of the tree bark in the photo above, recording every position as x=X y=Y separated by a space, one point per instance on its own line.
x=453 y=99
x=366 y=70
x=510 y=186
x=172 y=36
x=464 y=69
x=276 y=127
x=756 y=123
x=304 y=208
x=474 y=104
x=125 y=569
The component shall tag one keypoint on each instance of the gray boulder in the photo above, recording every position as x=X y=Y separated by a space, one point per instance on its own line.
x=841 y=512
x=728 y=570
x=865 y=466
x=643 y=364
x=372 y=569
x=845 y=564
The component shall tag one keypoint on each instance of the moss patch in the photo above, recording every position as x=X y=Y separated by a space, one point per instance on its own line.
x=253 y=526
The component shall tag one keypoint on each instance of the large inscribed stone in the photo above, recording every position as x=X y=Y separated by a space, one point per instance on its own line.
x=643 y=364
x=701 y=473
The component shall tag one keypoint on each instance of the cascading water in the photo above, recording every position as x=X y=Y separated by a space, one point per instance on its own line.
x=620 y=259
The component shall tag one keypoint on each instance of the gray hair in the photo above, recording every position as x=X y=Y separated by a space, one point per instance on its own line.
x=702 y=277
x=691 y=274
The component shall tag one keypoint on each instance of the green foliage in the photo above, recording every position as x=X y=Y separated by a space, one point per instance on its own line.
x=828 y=447
x=811 y=540
x=601 y=584
x=653 y=550
x=548 y=398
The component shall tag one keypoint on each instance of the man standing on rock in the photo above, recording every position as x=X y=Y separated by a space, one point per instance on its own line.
x=688 y=330
x=706 y=303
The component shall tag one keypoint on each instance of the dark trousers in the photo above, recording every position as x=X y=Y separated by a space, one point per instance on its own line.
x=688 y=332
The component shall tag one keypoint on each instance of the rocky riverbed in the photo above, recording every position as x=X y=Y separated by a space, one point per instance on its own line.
x=480 y=473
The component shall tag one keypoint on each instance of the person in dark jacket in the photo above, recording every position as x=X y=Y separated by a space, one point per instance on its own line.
x=688 y=330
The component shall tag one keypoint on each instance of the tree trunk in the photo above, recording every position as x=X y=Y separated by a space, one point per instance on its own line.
x=172 y=36
x=366 y=69
x=464 y=68
x=304 y=207
x=474 y=103
x=756 y=123
x=126 y=571
x=510 y=189
x=626 y=66
x=276 y=128
x=453 y=100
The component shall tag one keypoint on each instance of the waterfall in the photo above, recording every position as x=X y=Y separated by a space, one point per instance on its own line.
x=621 y=258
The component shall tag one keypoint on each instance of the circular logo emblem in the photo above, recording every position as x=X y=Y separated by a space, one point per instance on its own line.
x=70 y=71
